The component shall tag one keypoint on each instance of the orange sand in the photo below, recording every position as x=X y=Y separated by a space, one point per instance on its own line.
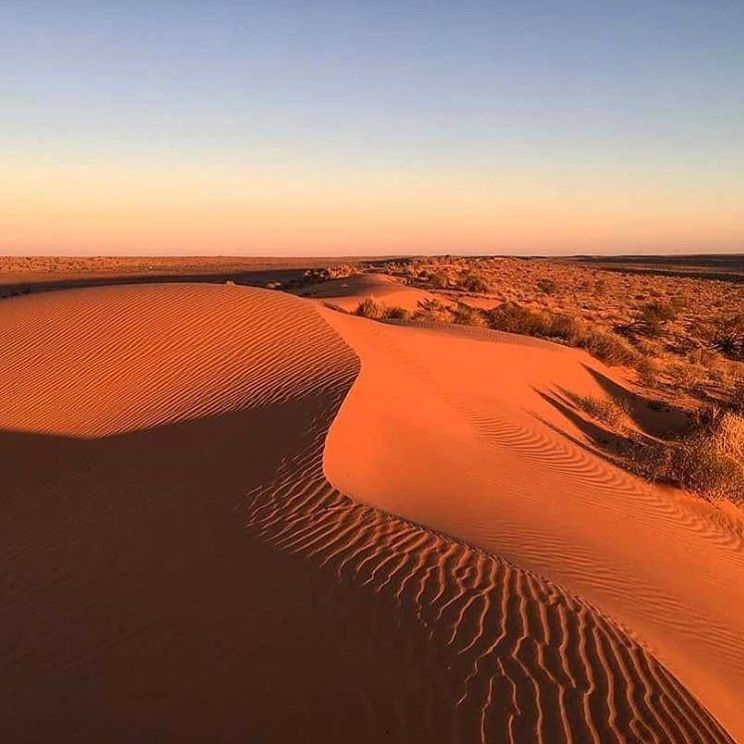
x=348 y=292
x=182 y=567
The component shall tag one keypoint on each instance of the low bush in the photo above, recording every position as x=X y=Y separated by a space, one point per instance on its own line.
x=369 y=308
x=438 y=280
x=374 y=310
x=474 y=283
x=654 y=315
x=728 y=336
x=604 y=345
x=709 y=462
x=463 y=314
x=547 y=286
x=736 y=400
x=395 y=312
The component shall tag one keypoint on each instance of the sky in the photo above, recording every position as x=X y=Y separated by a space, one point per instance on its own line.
x=322 y=127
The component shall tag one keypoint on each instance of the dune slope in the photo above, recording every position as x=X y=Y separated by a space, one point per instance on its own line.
x=346 y=293
x=180 y=569
x=472 y=432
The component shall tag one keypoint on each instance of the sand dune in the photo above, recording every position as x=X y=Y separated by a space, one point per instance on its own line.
x=508 y=468
x=193 y=556
x=348 y=292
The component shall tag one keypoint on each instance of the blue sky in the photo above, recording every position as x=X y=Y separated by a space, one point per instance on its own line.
x=613 y=96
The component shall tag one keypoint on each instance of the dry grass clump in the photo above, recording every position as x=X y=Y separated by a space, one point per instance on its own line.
x=437 y=279
x=433 y=311
x=728 y=336
x=610 y=412
x=374 y=310
x=709 y=462
x=473 y=282
x=654 y=316
x=370 y=308
x=602 y=344
x=463 y=314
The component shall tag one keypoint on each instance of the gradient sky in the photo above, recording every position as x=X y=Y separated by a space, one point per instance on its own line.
x=407 y=126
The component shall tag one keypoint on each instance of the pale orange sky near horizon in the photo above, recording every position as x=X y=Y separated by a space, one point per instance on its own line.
x=150 y=208
x=368 y=128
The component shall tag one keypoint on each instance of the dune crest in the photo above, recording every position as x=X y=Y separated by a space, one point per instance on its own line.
x=182 y=569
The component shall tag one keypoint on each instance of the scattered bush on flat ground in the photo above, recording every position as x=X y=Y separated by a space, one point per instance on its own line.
x=680 y=333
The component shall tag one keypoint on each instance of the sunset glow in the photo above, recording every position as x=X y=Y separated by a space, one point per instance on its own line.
x=285 y=128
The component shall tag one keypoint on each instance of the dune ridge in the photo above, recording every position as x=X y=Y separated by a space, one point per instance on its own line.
x=531 y=663
x=493 y=417
x=181 y=567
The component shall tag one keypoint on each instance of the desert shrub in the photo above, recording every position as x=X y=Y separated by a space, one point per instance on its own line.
x=711 y=461
x=513 y=318
x=736 y=399
x=653 y=316
x=609 y=348
x=438 y=279
x=369 y=308
x=728 y=336
x=685 y=375
x=647 y=369
x=433 y=310
x=604 y=345
x=708 y=460
x=704 y=357
x=547 y=286
x=605 y=410
x=342 y=271
x=463 y=314
x=395 y=313
x=474 y=283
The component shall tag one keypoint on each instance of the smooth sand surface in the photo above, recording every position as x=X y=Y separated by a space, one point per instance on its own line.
x=191 y=556
x=346 y=293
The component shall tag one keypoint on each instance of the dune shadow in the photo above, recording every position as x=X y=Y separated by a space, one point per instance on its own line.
x=602 y=441
x=137 y=606
x=651 y=416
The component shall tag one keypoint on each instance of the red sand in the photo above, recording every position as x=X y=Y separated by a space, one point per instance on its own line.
x=182 y=568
